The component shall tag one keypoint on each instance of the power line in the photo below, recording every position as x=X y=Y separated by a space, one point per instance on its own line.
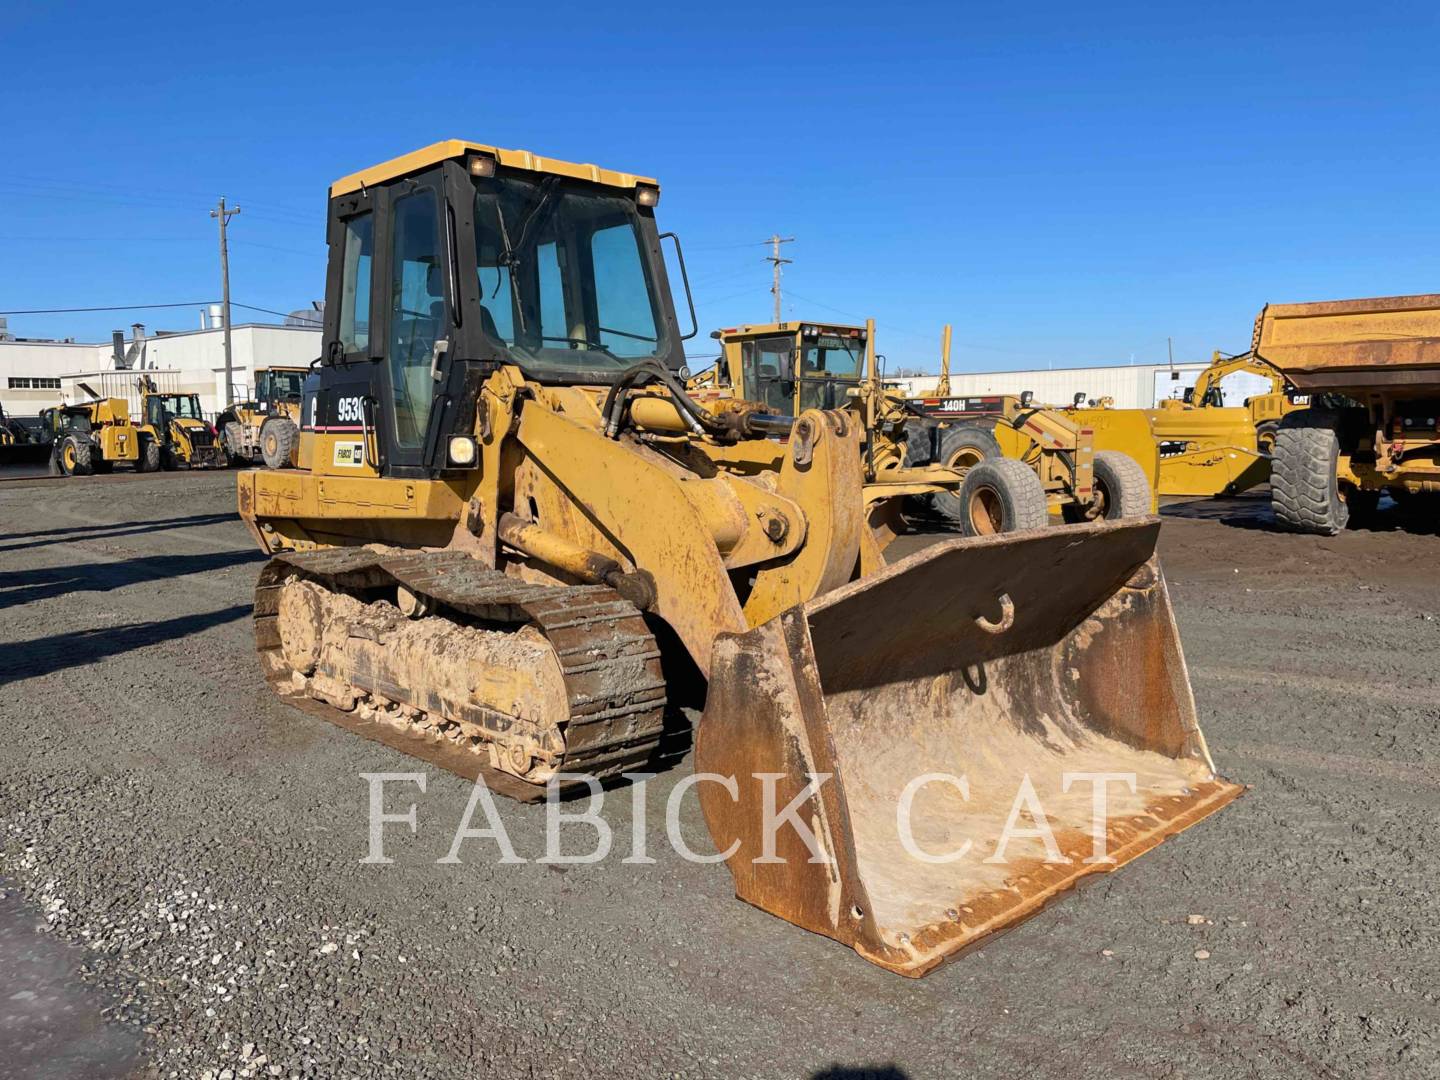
x=116 y=307
x=316 y=319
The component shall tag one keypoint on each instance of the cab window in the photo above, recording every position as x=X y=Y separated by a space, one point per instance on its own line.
x=355 y=285
x=417 y=313
x=768 y=370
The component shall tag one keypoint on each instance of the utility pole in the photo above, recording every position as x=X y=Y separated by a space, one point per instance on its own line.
x=776 y=262
x=225 y=215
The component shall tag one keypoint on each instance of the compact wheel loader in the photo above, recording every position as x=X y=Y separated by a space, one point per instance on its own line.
x=513 y=535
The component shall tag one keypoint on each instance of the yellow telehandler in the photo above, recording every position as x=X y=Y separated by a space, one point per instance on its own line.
x=90 y=437
x=513 y=532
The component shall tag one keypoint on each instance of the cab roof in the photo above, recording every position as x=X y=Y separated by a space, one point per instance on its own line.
x=449 y=149
x=793 y=326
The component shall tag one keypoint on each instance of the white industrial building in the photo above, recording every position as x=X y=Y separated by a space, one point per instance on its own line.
x=1132 y=386
x=38 y=374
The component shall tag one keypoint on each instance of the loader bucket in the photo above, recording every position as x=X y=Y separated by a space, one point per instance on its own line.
x=972 y=681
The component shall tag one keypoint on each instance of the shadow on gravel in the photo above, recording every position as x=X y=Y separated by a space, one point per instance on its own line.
x=44 y=656
x=863 y=1072
x=1240 y=512
x=1249 y=512
x=27 y=586
x=109 y=529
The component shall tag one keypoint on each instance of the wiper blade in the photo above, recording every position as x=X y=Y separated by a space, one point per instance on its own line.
x=511 y=263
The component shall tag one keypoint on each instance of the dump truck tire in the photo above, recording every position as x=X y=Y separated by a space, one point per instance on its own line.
x=277 y=443
x=75 y=457
x=1001 y=495
x=149 y=460
x=1304 y=485
x=1121 y=489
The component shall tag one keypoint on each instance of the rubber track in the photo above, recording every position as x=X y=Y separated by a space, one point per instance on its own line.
x=615 y=723
x=1303 y=491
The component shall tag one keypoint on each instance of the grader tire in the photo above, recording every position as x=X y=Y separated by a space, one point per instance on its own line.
x=1001 y=495
x=1122 y=490
x=961 y=447
x=277 y=443
x=1304 y=486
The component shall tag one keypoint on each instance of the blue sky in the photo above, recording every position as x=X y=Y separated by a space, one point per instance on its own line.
x=1066 y=183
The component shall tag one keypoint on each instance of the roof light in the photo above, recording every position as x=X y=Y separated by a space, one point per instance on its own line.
x=481 y=165
x=645 y=195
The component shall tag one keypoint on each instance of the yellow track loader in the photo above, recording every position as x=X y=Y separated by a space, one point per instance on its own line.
x=930 y=448
x=514 y=532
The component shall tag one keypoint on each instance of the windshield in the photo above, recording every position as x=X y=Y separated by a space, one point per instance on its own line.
x=565 y=281
x=181 y=405
x=832 y=356
x=280 y=385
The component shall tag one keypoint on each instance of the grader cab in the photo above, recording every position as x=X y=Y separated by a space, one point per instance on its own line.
x=518 y=531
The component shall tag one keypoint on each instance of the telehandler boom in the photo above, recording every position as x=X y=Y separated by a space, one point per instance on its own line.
x=514 y=532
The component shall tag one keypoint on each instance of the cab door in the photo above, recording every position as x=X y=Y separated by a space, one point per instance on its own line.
x=768 y=368
x=416 y=320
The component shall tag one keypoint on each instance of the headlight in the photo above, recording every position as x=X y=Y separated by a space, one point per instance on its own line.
x=463 y=451
x=482 y=165
x=646 y=195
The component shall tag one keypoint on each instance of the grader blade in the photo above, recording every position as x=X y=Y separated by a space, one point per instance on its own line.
x=942 y=732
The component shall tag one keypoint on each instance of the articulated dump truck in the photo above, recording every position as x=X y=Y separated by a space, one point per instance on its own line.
x=1372 y=370
x=513 y=535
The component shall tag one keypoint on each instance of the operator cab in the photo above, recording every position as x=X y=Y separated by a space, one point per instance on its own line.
x=160 y=409
x=455 y=260
x=790 y=367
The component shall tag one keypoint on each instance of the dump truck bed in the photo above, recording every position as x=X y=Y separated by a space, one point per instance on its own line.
x=1382 y=342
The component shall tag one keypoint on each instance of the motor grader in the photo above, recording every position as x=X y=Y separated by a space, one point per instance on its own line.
x=174 y=432
x=266 y=427
x=513 y=533
x=949 y=453
x=90 y=437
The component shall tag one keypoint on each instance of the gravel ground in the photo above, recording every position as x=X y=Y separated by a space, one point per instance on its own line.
x=199 y=845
